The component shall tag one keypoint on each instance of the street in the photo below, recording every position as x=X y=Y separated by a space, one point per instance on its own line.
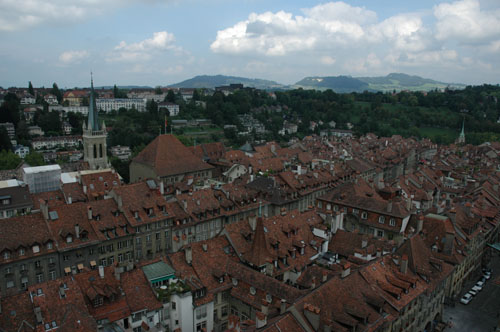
x=481 y=314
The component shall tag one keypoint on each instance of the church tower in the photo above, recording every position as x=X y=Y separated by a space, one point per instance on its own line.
x=461 y=137
x=94 y=136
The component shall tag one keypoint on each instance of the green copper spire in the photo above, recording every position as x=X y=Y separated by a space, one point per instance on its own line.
x=93 y=121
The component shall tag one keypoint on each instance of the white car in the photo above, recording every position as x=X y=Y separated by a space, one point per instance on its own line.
x=479 y=284
x=466 y=299
x=476 y=289
x=473 y=292
x=487 y=275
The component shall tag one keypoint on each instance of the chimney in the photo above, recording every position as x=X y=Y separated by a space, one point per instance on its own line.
x=204 y=246
x=260 y=319
x=346 y=270
x=77 y=231
x=283 y=211
x=448 y=243
x=379 y=252
x=119 y=202
x=188 y=253
x=420 y=224
x=404 y=264
x=282 y=306
x=184 y=204
x=162 y=188
x=89 y=212
x=324 y=276
x=70 y=199
x=62 y=293
x=364 y=243
x=313 y=282
x=252 y=220
x=101 y=271
x=118 y=271
x=389 y=206
x=85 y=190
x=264 y=307
x=38 y=315
x=44 y=208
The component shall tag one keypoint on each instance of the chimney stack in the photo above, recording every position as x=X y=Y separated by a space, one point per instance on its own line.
x=85 y=190
x=420 y=224
x=77 y=231
x=324 y=276
x=162 y=188
x=89 y=212
x=404 y=264
x=44 y=208
x=264 y=307
x=70 y=199
x=313 y=282
x=118 y=272
x=260 y=319
x=364 y=243
x=188 y=253
x=282 y=306
x=389 y=206
x=101 y=271
x=346 y=270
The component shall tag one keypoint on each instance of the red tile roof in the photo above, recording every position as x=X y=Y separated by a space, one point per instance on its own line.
x=168 y=156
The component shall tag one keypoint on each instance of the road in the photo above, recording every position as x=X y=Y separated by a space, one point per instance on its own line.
x=481 y=314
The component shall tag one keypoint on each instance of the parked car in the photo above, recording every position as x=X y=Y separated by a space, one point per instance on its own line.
x=487 y=275
x=466 y=299
x=476 y=289
x=480 y=284
x=473 y=291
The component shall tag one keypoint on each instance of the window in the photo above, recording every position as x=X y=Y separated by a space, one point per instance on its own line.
x=201 y=312
x=392 y=222
x=148 y=238
x=224 y=311
x=328 y=206
x=138 y=240
x=355 y=212
x=23 y=267
x=38 y=264
x=39 y=277
x=24 y=282
x=65 y=257
x=6 y=255
x=69 y=239
x=21 y=252
x=120 y=258
x=381 y=219
x=174 y=306
x=8 y=270
x=49 y=245
x=98 y=301
x=200 y=326
x=380 y=233
x=158 y=235
x=52 y=275
x=364 y=215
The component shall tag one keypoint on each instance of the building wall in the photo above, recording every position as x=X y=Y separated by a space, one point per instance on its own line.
x=140 y=172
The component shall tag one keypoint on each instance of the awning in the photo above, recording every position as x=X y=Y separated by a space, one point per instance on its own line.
x=80 y=266
x=93 y=263
x=67 y=270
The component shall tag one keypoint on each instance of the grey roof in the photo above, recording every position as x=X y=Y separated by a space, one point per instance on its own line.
x=157 y=270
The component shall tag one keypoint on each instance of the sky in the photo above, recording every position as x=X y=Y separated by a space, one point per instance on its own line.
x=161 y=42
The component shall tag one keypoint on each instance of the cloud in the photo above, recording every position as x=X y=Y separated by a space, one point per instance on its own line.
x=20 y=15
x=466 y=22
x=144 y=50
x=70 y=57
x=281 y=33
x=327 y=60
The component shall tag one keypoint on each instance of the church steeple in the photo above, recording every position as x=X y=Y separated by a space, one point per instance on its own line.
x=93 y=121
x=461 y=137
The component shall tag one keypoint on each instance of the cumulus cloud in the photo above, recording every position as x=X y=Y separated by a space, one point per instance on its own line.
x=70 y=57
x=466 y=21
x=277 y=34
x=144 y=50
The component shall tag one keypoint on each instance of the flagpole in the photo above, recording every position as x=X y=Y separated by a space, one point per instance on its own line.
x=165 y=124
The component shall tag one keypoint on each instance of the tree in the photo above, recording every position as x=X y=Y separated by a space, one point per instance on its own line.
x=170 y=96
x=115 y=91
x=158 y=90
x=9 y=160
x=56 y=92
x=30 y=89
x=34 y=159
x=5 y=143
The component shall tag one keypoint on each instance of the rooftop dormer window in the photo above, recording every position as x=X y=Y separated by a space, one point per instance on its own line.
x=36 y=249
x=69 y=239
x=381 y=219
x=49 y=245
x=6 y=255
x=21 y=252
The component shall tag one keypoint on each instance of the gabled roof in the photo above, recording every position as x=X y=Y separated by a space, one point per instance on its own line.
x=168 y=156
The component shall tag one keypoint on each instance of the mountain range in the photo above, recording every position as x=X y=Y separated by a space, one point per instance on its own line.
x=341 y=84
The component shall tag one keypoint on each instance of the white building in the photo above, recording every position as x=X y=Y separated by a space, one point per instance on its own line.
x=56 y=142
x=109 y=104
x=84 y=110
x=173 y=109
x=42 y=178
x=121 y=152
x=22 y=151
x=28 y=99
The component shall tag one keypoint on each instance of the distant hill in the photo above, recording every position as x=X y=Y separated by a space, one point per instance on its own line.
x=393 y=81
x=336 y=83
x=208 y=81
